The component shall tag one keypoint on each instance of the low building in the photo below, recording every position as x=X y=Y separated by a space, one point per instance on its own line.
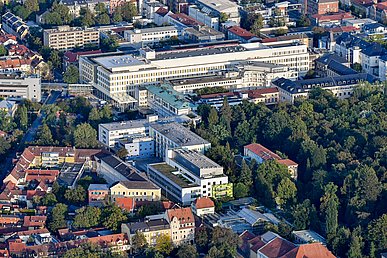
x=71 y=58
x=174 y=135
x=149 y=36
x=201 y=15
x=151 y=228
x=98 y=194
x=261 y=154
x=203 y=206
x=244 y=36
x=199 y=34
x=166 y=101
x=66 y=37
x=182 y=225
x=307 y=236
x=14 y=25
x=17 y=87
x=139 y=190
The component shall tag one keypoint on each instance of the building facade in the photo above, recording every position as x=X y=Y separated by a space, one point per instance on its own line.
x=66 y=37
x=17 y=87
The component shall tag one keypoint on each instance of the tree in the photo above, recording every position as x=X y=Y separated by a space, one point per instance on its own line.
x=213 y=118
x=109 y=44
x=55 y=58
x=329 y=207
x=21 y=117
x=164 y=244
x=103 y=19
x=240 y=190
x=76 y=196
x=117 y=17
x=357 y=67
x=85 y=136
x=32 y=5
x=71 y=75
x=128 y=10
x=286 y=192
x=139 y=242
x=377 y=232
x=257 y=25
x=246 y=176
x=305 y=215
x=201 y=238
x=112 y=217
x=304 y=21
x=57 y=219
x=187 y=251
x=3 y=50
x=4 y=146
x=226 y=240
x=226 y=113
x=100 y=8
x=44 y=136
x=49 y=199
x=223 y=17
x=356 y=244
x=87 y=18
x=87 y=217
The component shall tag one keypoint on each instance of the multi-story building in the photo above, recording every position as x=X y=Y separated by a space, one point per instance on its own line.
x=238 y=33
x=261 y=154
x=341 y=87
x=98 y=194
x=207 y=18
x=322 y=6
x=221 y=7
x=66 y=37
x=166 y=101
x=187 y=175
x=148 y=36
x=174 y=135
x=182 y=225
x=117 y=77
x=138 y=146
x=199 y=34
x=151 y=228
x=16 y=87
x=75 y=6
x=14 y=25
x=109 y=134
x=139 y=190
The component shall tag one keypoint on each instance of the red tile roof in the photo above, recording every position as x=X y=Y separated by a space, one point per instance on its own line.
x=277 y=248
x=4 y=253
x=73 y=57
x=332 y=17
x=126 y=203
x=314 y=250
x=240 y=32
x=162 y=11
x=34 y=221
x=185 y=19
x=204 y=202
x=287 y=162
x=258 y=93
x=184 y=215
x=262 y=151
x=382 y=6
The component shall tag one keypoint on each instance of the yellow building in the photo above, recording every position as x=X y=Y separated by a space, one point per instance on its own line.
x=150 y=228
x=139 y=190
x=223 y=190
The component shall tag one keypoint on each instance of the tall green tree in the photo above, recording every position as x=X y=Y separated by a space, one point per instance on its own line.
x=76 y=196
x=377 y=232
x=85 y=136
x=112 y=217
x=57 y=219
x=3 y=50
x=44 y=136
x=139 y=242
x=71 y=75
x=356 y=244
x=164 y=244
x=87 y=217
x=128 y=10
x=246 y=176
x=21 y=117
x=187 y=251
x=286 y=192
x=329 y=207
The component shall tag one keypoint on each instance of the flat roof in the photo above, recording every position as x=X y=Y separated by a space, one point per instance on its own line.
x=168 y=170
x=219 y=5
x=150 y=30
x=110 y=62
x=179 y=134
x=125 y=124
x=309 y=236
x=200 y=79
x=197 y=159
x=199 y=52
x=169 y=95
x=100 y=187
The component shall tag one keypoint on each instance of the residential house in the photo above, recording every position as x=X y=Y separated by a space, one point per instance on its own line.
x=182 y=225
x=261 y=154
x=203 y=206
x=14 y=25
x=98 y=194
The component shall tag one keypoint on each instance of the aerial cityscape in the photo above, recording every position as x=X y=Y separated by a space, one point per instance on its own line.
x=193 y=128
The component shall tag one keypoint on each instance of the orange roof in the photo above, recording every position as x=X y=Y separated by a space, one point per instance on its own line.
x=240 y=32
x=184 y=215
x=4 y=253
x=204 y=202
x=126 y=203
x=258 y=93
x=287 y=162
x=34 y=221
x=16 y=246
x=277 y=248
x=314 y=250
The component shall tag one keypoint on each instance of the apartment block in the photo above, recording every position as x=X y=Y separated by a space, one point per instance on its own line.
x=208 y=19
x=151 y=228
x=66 y=37
x=142 y=37
x=231 y=9
x=138 y=146
x=174 y=135
x=17 y=87
x=187 y=175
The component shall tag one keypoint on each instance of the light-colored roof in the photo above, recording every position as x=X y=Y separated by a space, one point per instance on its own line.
x=219 y=5
x=110 y=62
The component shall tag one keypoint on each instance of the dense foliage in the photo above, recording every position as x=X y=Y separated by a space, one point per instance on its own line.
x=341 y=149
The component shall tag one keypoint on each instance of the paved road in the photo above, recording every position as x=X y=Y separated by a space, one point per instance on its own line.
x=31 y=133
